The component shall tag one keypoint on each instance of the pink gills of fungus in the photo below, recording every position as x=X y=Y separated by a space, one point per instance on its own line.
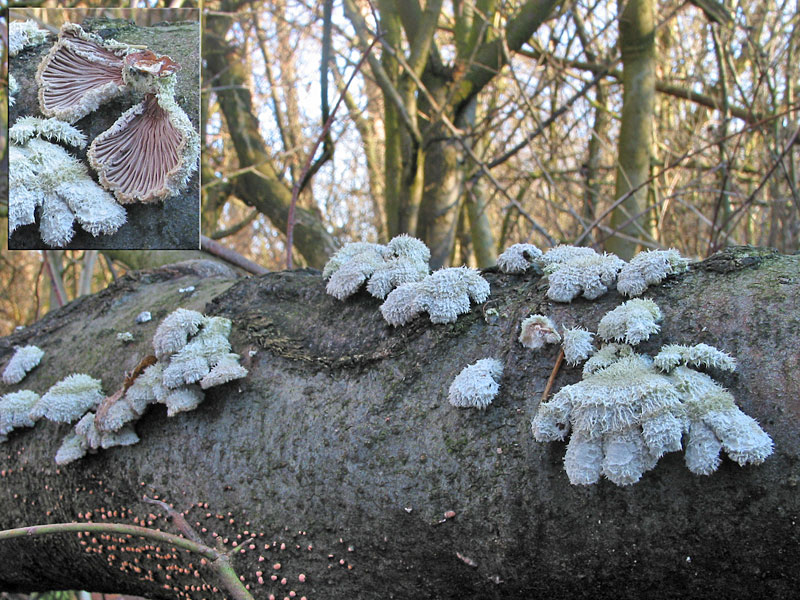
x=80 y=72
x=148 y=154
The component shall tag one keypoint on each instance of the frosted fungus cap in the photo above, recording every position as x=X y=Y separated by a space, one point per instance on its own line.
x=631 y=322
x=519 y=258
x=476 y=385
x=80 y=72
x=69 y=399
x=23 y=34
x=46 y=175
x=444 y=294
x=25 y=358
x=403 y=260
x=577 y=345
x=15 y=409
x=648 y=268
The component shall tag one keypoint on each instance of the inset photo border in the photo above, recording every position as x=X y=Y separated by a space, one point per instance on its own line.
x=104 y=141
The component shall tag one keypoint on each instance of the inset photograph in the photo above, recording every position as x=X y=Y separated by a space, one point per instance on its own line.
x=103 y=129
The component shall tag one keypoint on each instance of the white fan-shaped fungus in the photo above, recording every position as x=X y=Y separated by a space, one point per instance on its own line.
x=183 y=399
x=15 y=408
x=519 y=258
x=629 y=409
x=173 y=332
x=648 y=268
x=69 y=399
x=564 y=254
x=72 y=448
x=605 y=357
x=351 y=266
x=85 y=438
x=444 y=295
x=581 y=273
x=400 y=305
x=403 y=260
x=477 y=384
x=538 y=330
x=191 y=348
x=623 y=418
x=227 y=369
x=631 y=322
x=699 y=355
x=717 y=423
x=55 y=130
x=25 y=358
x=24 y=34
x=43 y=174
x=577 y=345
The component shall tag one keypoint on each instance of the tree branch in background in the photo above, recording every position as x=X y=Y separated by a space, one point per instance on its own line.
x=236 y=228
x=306 y=174
x=231 y=256
x=264 y=191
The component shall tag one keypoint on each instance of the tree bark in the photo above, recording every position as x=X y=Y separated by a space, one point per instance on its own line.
x=341 y=444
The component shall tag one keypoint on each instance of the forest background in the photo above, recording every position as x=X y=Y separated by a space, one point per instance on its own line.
x=474 y=125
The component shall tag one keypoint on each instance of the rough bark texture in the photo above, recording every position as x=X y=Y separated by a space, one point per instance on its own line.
x=340 y=444
x=169 y=224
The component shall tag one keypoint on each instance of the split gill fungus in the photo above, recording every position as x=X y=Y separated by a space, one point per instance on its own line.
x=140 y=155
x=78 y=74
x=152 y=149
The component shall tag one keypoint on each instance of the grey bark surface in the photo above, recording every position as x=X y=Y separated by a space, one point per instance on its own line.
x=341 y=444
x=169 y=224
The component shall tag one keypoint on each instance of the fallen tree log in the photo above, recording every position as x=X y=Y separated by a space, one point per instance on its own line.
x=339 y=453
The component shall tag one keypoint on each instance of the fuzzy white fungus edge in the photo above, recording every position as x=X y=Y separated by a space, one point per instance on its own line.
x=384 y=268
x=444 y=295
x=649 y=267
x=477 y=384
x=25 y=358
x=519 y=258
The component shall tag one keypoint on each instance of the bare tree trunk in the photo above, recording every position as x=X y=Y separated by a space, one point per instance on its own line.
x=340 y=453
x=637 y=45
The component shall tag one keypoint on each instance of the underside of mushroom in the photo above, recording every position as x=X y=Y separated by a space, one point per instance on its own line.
x=149 y=152
x=80 y=72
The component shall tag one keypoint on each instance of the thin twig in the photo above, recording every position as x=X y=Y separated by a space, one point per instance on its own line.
x=177 y=518
x=552 y=379
x=58 y=285
x=217 y=560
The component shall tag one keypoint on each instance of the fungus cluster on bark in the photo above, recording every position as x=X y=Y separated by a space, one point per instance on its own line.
x=477 y=384
x=25 y=358
x=579 y=271
x=192 y=354
x=630 y=409
x=44 y=176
